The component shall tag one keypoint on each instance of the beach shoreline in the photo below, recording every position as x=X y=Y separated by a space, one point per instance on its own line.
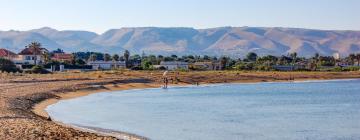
x=21 y=94
x=40 y=108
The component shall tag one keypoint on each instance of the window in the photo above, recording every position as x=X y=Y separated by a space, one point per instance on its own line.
x=28 y=58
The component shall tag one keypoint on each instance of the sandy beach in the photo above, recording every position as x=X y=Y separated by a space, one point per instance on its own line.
x=24 y=97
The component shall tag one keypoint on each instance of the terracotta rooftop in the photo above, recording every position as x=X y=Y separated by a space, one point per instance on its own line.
x=31 y=51
x=6 y=53
x=63 y=56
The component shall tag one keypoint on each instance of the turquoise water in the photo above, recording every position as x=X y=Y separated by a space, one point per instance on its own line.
x=318 y=110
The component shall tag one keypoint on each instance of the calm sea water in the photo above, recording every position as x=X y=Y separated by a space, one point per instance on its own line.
x=318 y=110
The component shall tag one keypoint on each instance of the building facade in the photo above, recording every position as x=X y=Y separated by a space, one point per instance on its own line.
x=207 y=65
x=30 y=56
x=174 y=65
x=62 y=57
x=107 y=65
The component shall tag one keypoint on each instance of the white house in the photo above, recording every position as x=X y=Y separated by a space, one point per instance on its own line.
x=30 y=56
x=106 y=65
x=173 y=65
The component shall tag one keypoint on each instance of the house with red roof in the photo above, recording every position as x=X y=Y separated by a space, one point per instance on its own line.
x=4 y=53
x=30 y=56
x=62 y=57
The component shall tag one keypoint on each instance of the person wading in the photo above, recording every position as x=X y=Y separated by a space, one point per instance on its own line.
x=165 y=80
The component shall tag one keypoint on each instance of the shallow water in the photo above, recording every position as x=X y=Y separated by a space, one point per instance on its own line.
x=320 y=110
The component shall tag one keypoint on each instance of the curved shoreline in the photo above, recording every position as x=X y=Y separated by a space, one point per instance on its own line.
x=40 y=108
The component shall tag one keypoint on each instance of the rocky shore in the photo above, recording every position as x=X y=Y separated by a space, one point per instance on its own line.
x=20 y=93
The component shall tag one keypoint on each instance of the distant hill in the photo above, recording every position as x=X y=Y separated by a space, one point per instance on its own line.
x=230 y=41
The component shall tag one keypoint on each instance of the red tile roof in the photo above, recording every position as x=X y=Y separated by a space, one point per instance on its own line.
x=63 y=56
x=6 y=53
x=31 y=51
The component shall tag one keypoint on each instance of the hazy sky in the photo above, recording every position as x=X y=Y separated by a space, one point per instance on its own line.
x=101 y=15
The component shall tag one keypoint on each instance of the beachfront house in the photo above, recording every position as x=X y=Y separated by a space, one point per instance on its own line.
x=107 y=65
x=174 y=65
x=62 y=57
x=30 y=56
x=207 y=65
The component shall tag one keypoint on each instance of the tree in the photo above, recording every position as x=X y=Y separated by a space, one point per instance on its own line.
x=93 y=57
x=107 y=57
x=143 y=55
x=294 y=57
x=206 y=57
x=116 y=57
x=122 y=58
x=152 y=59
x=251 y=56
x=284 y=60
x=358 y=59
x=352 y=58
x=174 y=57
x=7 y=65
x=127 y=56
x=160 y=57
x=326 y=61
x=169 y=58
x=35 y=47
x=80 y=62
x=146 y=65
x=58 y=50
x=46 y=57
x=268 y=60
x=223 y=61
x=214 y=58
x=39 y=70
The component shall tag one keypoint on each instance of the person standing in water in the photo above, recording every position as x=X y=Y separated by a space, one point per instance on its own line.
x=165 y=80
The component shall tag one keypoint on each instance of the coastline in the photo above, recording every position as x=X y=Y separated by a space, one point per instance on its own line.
x=19 y=94
x=40 y=108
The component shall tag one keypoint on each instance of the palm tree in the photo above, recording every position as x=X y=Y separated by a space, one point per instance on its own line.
x=316 y=59
x=107 y=57
x=223 y=62
x=251 y=56
x=358 y=59
x=35 y=47
x=116 y=57
x=93 y=57
x=352 y=58
x=294 y=57
x=126 y=56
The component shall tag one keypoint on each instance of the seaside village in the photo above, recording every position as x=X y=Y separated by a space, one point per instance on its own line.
x=36 y=59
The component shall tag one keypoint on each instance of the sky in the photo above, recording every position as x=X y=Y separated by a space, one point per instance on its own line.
x=102 y=15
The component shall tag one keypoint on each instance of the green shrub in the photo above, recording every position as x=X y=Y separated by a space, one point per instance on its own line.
x=352 y=68
x=7 y=66
x=39 y=70
x=338 y=69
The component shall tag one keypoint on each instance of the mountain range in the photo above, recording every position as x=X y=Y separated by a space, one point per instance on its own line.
x=230 y=41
